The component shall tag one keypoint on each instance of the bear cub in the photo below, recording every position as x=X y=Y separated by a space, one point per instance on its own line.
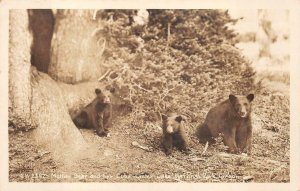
x=173 y=133
x=232 y=118
x=96 y=115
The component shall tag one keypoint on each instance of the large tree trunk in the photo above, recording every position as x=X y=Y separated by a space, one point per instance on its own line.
x=36 y=101
x=19 y=69
x=77 y=47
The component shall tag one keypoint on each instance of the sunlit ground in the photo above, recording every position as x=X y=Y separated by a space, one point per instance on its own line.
x=272 y=69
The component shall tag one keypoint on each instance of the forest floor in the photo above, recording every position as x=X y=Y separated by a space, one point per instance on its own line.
x=116 y=159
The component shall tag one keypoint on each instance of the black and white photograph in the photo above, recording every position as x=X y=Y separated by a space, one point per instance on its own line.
x=183 y=96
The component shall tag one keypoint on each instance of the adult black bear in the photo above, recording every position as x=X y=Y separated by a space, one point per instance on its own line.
x=173 y=133
x=96 y=115
x=232 y=118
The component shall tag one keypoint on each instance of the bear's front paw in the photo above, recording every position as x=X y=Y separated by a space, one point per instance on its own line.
x=249 y=152
x=168 y=152
x=102 y=134
x=234 y=151
x=187 y=151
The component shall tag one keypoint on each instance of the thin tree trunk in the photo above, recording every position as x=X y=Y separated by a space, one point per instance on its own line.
x=169 y=34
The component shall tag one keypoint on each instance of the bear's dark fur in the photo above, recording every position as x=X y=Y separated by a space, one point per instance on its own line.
x=232 y=118
x=173 y=133
x=96 y=115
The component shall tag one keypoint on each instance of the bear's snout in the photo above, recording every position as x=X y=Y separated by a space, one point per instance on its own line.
x=243 y=113
x=170 y=129
x=106 y=100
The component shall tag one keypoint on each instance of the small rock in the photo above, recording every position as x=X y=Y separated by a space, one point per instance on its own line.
x=136 y=144
x=244 y=154
x=108 y=152
x=225 y=155
x=247 y=178
x=196 y=159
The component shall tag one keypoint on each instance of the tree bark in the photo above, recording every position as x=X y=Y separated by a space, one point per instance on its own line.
x=36 y=101
x=77 y=47
x=56 y=129
x=40 y=103
x=19 y=69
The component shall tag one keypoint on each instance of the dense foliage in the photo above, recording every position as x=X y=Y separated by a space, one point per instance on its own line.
x=181 y=61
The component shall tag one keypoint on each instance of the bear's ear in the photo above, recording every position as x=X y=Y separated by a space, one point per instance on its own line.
x=250 y=97
x=164 y=117
x=232 y=98
x=179 y=118
x=97 y=91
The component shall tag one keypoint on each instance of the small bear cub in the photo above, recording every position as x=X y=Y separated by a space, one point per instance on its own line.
x=173 y=133
x=96 y=115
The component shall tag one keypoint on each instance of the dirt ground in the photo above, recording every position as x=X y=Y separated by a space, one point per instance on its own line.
x=116 y=159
